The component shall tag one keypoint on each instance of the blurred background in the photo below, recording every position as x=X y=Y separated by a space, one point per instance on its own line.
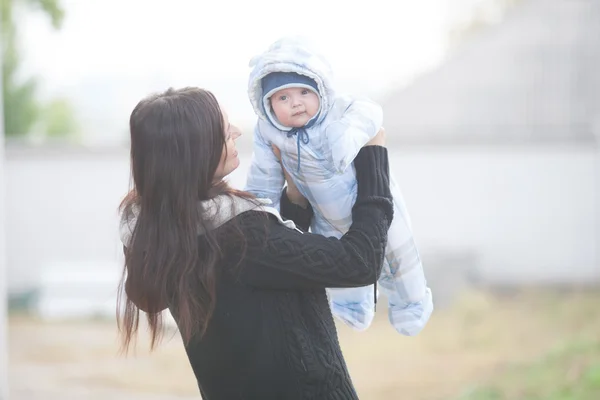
x=492 y=110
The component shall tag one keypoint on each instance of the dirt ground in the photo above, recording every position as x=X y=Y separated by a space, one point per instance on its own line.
x=462 y=346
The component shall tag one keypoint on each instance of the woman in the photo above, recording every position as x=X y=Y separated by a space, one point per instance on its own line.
x=246 y=289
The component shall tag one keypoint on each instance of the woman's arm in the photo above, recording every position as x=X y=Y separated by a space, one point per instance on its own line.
x=300 y=212
x=287 y=259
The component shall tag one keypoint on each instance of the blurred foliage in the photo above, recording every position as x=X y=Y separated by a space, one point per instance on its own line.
x=59 y=118
x=569 y=372
x=22 y=108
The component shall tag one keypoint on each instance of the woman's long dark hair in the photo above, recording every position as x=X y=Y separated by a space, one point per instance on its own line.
x=177 y=139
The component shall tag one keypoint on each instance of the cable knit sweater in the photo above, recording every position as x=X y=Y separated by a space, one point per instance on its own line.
x=272 y=335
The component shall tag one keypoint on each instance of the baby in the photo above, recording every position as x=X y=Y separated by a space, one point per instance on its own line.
x=319 y=133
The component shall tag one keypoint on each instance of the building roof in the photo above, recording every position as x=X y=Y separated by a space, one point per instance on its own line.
x=534 y=78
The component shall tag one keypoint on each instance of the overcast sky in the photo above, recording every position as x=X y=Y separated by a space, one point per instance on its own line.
x=110 y=53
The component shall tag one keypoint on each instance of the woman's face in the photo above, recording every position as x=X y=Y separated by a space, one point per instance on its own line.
x=229 y=158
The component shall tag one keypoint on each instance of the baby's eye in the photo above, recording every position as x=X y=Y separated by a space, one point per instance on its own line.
x=283 y=98
x=305 y=91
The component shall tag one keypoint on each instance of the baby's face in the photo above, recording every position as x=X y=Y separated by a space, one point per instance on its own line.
x=295 y=106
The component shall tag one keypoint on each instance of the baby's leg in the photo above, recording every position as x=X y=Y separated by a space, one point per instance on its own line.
x=354 y=306
x=402 y=279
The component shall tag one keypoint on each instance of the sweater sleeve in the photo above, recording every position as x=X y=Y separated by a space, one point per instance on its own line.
x=282 y=258
x=299 y=215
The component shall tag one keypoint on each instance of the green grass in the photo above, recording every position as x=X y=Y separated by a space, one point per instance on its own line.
x=525 y=344
x=570 y=372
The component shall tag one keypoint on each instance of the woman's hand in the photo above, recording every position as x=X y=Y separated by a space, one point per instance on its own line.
x=378 y=140
x=292 y=191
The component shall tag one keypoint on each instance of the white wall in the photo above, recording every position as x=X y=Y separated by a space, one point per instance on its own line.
x=528 y=215
x=62 y=208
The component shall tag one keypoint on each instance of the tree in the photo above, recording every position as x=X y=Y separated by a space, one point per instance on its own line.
x=58 y=118
x=22 y=110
